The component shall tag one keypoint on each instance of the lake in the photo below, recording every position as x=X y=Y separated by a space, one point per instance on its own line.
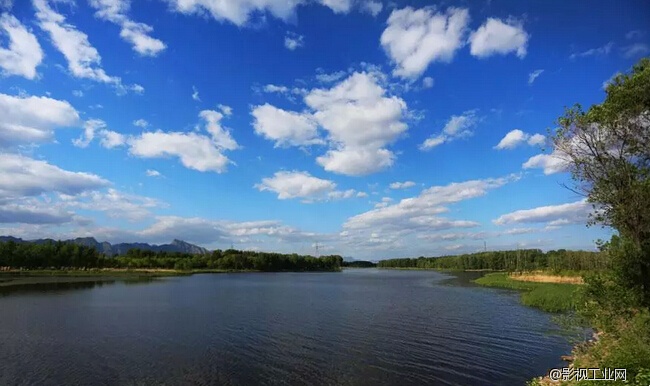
x=358 y=327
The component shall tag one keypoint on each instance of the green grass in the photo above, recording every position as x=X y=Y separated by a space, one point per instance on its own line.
x=550 y=297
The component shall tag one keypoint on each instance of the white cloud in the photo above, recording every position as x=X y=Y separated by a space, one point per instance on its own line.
x=550 y=163
x=635 y=50
x=226 y=110
x=516 y=137
x=235 y=11
x=195 y=151
x=113 y=203
x=402 y=185
x=534 y=75
x=599 y=51
x=293 y=40
x=153 y=173
x=220 y=135
x=458 y=126
x=498 y=37
x=338 y=6
x=195 y=94
x=142 y=123
x=330 y=78
x=415 y=38
x=362 y=194
x=372 y=7
x=116 y=11
x=271 y=88
x=357 y=115
x=356 y=161
x=360 y=120
x=296 y=185
x=23 y=176
x=83 y=59
x=111 y=139
x=90 y=126
x=23 y=53
x=427 y=82
x=286 y=128
x=29 y=119
x=422 y=212
x=78 y=93
x=554 y=215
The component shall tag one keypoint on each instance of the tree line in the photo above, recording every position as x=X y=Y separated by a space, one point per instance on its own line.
x=514 y=260
x=62 y=255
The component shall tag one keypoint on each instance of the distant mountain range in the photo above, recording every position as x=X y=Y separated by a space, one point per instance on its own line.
x=119 y=249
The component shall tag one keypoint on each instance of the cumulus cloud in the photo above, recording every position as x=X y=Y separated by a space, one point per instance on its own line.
x=402 y=185
x=414 y=38
x=29 y=119
x=295 y=184
x=83 y=59
x=496 y=37
x=564 y=214
x=458 y=126
x=24 y=176
x=137 y=34
x=517 y=137
x=293 y=40
x=237 y=12
x=111 y=139
x=534 y=75
x=285 y=128
x=195 y=151
x=372 y=7
x=360 y=121
x=359 y=118
x=23 y=53
x=141 y=123
x=90 y=127
x=550 y=163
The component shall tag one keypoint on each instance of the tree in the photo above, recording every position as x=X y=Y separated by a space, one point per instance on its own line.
x=607 y=151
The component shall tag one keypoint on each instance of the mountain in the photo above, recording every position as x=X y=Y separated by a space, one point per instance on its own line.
x=121 y=248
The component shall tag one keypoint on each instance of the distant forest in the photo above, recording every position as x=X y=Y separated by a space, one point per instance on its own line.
x=62 y=255
x=516 y=260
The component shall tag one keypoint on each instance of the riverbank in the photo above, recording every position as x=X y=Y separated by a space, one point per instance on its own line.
x=553 y=297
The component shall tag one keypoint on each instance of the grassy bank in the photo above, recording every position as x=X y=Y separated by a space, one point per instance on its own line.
x=550 y=297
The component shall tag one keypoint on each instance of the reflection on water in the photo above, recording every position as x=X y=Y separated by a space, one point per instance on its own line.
x=12 y=285
x=367 y=327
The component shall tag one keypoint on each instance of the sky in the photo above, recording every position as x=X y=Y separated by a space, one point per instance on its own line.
x=365 y=128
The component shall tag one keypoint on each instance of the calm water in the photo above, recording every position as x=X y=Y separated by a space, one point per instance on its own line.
x=359 y=327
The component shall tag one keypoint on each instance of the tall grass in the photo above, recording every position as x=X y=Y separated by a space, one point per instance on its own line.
x=550 y=297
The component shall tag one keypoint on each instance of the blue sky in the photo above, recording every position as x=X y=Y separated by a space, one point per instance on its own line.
x=374 y=129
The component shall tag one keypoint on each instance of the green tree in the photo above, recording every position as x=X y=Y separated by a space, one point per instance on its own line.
x=607 y=151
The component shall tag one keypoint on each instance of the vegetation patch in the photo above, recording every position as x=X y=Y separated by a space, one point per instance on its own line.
x=550 y=297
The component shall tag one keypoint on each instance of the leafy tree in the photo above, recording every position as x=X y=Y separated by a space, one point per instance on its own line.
x=607 y=151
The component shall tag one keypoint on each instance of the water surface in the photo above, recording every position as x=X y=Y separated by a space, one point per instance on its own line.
x=358 y=327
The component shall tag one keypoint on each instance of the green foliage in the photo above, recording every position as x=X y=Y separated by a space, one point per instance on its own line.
x=607 y=150
x=550 y=297
x=61 y=256
x=560 y=261
x=359 y=264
